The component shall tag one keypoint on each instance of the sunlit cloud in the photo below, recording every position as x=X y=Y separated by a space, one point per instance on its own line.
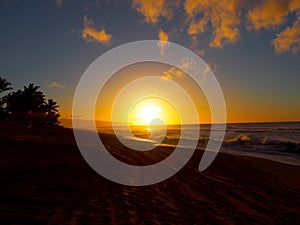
x=200 y=52
x=270 y=13
x=54 y=84
x=222 y=15
x=90 y=34
x=212 y=23
x=172 y=73
x=163 y=36
x=153 y=9
x=224 y=20
x=150 y=9
x=167 y=76
x=59 y=3
x=187 y=64
x=190 y=66
x=210 y=67
x=197 y=27
x=288 y=39
x=163 y=41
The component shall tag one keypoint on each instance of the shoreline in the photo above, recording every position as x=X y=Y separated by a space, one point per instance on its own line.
x=60 y=134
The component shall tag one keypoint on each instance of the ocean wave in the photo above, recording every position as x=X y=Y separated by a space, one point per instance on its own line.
x=241 y=138
x=285 y=146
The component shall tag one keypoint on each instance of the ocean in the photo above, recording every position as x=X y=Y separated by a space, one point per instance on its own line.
x=278 y=141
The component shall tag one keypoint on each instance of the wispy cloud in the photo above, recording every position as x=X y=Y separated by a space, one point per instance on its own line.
x=172 y=73
x=200 y=52
x=222 y=15
x=270 y=14
x=214 y=23
x=153 y=9
x=54 y=84
x=186 y=64
x=90 y=34
x=197 y=27
x=225 y=18
x=288 y=39
x=190 y=66
x=210 y=67
x=163 y=36
x=59 y=3
x=150 y=9
x=163 y=41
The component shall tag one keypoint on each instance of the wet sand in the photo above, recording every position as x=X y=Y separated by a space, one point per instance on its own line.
x=45 y=180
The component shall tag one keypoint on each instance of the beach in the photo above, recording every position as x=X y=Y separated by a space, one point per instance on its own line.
x=45 y=180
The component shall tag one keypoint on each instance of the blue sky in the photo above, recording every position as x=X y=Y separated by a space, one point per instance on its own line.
x=43 y=42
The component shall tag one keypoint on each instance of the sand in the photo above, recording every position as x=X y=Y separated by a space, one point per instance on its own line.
x=45 y=180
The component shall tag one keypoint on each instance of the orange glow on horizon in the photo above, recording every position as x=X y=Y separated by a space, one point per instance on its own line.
x=153 y=110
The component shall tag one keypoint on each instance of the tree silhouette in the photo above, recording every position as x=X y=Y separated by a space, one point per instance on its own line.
x=4 y=86
x=51 y=106
x=30 y=107
x=33 y=99
x=51 y=112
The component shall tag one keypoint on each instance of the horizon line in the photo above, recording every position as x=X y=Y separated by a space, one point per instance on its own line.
x=206 y=123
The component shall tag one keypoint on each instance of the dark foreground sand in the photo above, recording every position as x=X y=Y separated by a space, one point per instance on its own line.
x=44 y=180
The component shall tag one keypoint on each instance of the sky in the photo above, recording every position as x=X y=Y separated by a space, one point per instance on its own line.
x=253 y=47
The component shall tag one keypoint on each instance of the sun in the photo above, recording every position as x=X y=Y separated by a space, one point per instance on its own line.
x=153 y=111
x=149 y=112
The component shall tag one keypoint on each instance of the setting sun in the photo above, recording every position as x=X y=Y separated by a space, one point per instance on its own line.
x=149 y=113
x=153 y=110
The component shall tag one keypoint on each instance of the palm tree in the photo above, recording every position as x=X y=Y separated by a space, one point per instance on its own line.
x=51 y=106
x=30 y=107
x=51 y=111
x=4 y=85
x=33 y=99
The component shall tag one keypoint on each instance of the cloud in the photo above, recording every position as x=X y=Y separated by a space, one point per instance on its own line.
x=90 y=34
x=219 y=20
x=191 y=66
x=54 y=84
x=222 y=15
x=197 y=27
x=200 y=52
x=163 y=36
x=153 y=9
x=225 y=18
x=172 y=73
x=270 y=14
x=288 y=39
x=59 y=3
x=163 y=41
x=210 y=67
x=187 y=64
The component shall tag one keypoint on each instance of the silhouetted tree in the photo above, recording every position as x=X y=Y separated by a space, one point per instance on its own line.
x=4 y=86
x=30 y=107
x=51 y=106
x=51 y=112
